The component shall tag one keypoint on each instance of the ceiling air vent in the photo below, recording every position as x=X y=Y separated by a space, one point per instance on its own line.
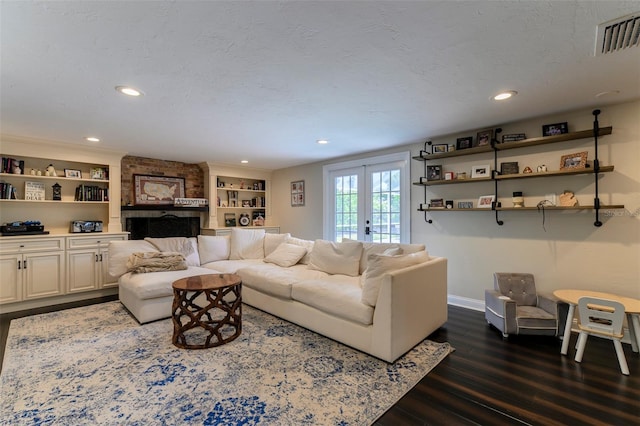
x=618 y=34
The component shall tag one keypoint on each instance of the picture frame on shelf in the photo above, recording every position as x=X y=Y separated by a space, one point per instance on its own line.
x=485 y=201
x=483 y=138
x=555 y=129
x=434 y=172
x=465 y=204
x=157 y=190
x=509 y=168
x=481 y=171
x=439 y=148
x=99 y=173
x=436 y=203
x=577 y=160
x=297 y=193
x=513 y=137
x=464 y=143
x=72 y=173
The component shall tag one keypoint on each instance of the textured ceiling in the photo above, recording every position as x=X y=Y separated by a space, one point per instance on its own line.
x=262 y=81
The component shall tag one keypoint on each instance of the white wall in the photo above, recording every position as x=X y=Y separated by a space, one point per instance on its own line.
x=571 y=253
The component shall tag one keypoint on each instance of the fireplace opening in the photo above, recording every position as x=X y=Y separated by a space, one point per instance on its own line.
x=163 y=226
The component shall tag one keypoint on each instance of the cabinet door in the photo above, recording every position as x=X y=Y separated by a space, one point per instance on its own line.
x=83 y=270
x=43 y=275
x=10 y=278
x=106 y=279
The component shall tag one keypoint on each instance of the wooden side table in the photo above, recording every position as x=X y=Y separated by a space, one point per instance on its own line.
x=207 y=310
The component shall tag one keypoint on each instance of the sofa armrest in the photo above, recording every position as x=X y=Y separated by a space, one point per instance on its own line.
x=412 y=303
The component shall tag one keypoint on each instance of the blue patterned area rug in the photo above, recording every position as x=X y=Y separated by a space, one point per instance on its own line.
x=96 y=365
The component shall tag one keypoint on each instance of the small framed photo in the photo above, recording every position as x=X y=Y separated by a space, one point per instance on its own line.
x=509 y=168
x=485 y=201
x=99 y=173
x=448 y=204
x=297 y=193
x=484 y=137
x=436 y=203
x=464 y=143
x=576 y=160
x=439 y=148
x=448 y=175
x=465 y=204
x=72 y=173
x=434 y=172
x=555 y=129
x=481 y=171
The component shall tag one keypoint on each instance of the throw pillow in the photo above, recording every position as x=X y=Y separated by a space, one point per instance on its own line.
x=378 y=265
x=307 y=244
x=188 y=247
x=272 y=241
x=247 y=244
x=119 y=252
x=376 y=248
x=156 y=262
x=286 y=255
x=213 y=248
x=336 y=258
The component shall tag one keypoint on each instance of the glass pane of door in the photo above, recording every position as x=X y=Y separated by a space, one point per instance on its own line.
x=385 y=211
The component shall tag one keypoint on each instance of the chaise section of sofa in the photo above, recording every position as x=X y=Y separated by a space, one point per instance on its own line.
x=382 y=299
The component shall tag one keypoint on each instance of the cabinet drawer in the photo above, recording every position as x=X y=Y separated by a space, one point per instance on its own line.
x=93 y=241
x=31 y=245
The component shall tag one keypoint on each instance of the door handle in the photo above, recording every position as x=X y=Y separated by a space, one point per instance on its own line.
x=367 y=229
x=24 y=264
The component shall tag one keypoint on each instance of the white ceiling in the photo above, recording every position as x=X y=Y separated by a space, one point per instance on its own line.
x=262 y=81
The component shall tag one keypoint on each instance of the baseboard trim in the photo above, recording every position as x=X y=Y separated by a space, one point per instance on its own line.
x=56 y=300
x=465 y=302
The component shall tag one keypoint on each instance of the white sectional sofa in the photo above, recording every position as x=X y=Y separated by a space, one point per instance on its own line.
x=382 y=299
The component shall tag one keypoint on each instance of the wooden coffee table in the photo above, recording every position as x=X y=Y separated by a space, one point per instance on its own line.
x=207 y=310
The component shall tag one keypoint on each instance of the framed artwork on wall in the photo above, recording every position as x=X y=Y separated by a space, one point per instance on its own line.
x=157 y=190
x=297 y=193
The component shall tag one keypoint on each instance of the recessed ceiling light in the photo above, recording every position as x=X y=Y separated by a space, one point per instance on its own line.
x=92 y=139
x=322 y=141
x=129 y=91
x=608 y=93
x=244 y=161
x=505 y=95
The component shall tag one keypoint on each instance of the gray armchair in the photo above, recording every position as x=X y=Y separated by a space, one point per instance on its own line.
x=514 y=306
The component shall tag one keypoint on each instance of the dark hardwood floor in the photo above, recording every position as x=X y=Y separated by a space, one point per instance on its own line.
x=491 y=381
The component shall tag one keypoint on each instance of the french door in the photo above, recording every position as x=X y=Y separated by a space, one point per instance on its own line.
x=368 y=199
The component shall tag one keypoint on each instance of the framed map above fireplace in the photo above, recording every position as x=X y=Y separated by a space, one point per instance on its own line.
x=157 y=190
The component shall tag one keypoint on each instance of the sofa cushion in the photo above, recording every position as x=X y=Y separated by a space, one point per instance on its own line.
x=247 y=244
x=378 y=265
x=158 y=284
x=377 y=248
x=286 y=255
x=308 y=244
x=231 y=266
x=272 y=241
x=336 y=258
x=188 y=247
x=337 y=295
x=275 y=280
x=212 y=248
x=119 y=252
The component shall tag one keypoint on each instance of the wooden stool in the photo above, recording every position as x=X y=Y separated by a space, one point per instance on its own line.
x=207 y=310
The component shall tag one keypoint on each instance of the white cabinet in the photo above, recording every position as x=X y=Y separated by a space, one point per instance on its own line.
x=31 y=269
x=88 y=262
